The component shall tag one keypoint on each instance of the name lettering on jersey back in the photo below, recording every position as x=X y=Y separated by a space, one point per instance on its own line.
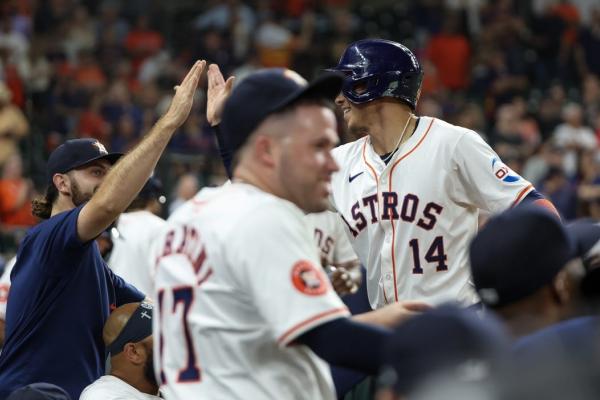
x=185 y=240
x=394 y=207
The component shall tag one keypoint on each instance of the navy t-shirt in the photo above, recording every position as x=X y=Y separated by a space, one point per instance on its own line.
x=61 y=295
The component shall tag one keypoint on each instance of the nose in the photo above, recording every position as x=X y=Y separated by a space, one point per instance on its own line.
x=332 y=165
x=340 y=99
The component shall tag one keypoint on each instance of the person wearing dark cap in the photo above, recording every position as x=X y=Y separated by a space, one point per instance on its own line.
x=133 y=235
x=62 y=291
x=259 y=293
x=526 y=268
x=447 y=342
x=127 y=335
x=39 y=391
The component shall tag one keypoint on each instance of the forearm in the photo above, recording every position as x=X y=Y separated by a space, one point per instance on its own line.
x=346 y=343
x=224 y=151
x=128 y=176
x=123 y=183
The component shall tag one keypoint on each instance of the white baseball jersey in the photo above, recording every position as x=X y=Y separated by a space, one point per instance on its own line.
x=411 y=221
x=5 y=286
x=129 y=256
x=330 y=238
x=110 y=387
x=238 y=279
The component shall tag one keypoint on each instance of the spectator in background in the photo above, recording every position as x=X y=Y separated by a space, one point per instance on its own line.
x=561 y=191
x=573 y=136
x=450 y=52
x=16 y=193
x=187 y=186
x=589 y=42
x=143 y=41
x=13 y=125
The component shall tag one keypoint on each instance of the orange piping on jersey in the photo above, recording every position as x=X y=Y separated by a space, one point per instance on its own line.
x=341 y=311
x=522 y=194
x=390 y=189
x=369 y=165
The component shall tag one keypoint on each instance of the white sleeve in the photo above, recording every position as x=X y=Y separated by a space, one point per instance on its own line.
x=342 y=250
x=273 y=253
x=481 y=179
x=5 y=286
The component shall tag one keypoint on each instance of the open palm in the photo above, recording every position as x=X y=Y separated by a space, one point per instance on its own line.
x=218 y=91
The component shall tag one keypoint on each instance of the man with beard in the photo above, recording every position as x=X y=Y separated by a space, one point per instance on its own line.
x=128 y=338
x=62 y=291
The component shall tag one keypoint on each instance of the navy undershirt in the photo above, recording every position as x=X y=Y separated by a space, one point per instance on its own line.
x=61 y=295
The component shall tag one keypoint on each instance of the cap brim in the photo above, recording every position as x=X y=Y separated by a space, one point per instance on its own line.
x=586 y=234
x=327 y=86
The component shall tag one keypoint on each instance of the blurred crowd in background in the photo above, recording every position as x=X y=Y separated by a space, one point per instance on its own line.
x=524 y=74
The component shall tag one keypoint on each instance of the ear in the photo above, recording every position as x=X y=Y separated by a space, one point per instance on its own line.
x=134 y=353
x=266 y=150
x=561 y=289
x=62 y=183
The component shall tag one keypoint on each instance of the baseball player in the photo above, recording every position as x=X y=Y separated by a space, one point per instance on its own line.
x=128 y=337
x=337 y=255
x=135 y=231
x=244 y=307
x=410 y=190
x=61 y=289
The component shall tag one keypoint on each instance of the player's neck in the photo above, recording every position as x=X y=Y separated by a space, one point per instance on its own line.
x=138 y=382
x=62 y=204
x=391 y=131
x=250 y=176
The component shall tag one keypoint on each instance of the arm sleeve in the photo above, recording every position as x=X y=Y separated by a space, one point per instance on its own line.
x=224 y=150
x=343 y=251
x=61 y=244
x=336 y=342
x=280 y=270
x=481 y=179
x=124 y=292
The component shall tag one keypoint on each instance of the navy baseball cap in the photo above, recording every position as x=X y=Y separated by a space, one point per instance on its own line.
x=76 y=153
x=268 y=91
x=153 y=189
x=518 y=252
x=446 y=339
x=39 y=391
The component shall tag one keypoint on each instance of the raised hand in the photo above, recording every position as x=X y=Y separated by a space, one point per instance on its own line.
x=218 y=91
x=184 y=96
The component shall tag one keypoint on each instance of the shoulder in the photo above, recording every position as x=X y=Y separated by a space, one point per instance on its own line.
x=349 y=150
x=104 y=388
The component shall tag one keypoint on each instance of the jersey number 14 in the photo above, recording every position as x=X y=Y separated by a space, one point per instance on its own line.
x=435 y=254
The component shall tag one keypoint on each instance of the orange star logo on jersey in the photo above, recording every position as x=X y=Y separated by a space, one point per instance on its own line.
x=308 y=279
x=100 y=147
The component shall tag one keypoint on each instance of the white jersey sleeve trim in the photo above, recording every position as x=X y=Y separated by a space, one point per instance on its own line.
x=522 y=194
x=316 y=320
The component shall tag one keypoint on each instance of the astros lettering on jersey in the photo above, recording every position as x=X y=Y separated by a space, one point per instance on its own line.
x=410 y=221
x=238 y=280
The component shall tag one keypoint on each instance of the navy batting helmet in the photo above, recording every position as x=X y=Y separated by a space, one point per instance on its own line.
x=380 y=68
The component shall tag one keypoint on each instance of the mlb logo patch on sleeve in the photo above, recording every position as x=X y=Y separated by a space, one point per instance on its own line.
x=502 y=172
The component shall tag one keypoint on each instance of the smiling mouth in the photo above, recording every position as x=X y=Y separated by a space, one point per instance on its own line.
x=346 y=110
